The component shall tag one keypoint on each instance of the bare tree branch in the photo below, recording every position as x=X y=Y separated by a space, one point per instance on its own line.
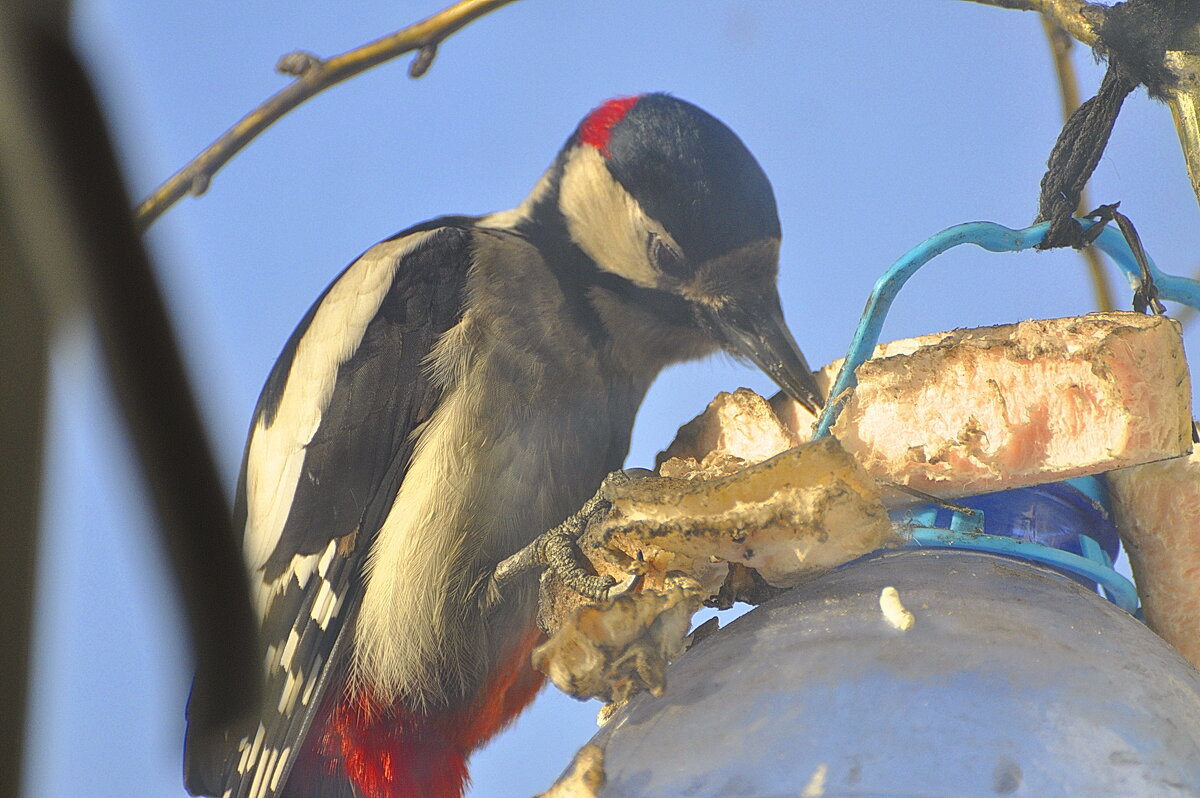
x=1184 y=99
x=1068 y=89
x=313 y=75
x=1083 y=20
x=1076 y=17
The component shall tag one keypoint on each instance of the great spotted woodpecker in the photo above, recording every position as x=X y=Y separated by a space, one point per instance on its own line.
x=459 y=389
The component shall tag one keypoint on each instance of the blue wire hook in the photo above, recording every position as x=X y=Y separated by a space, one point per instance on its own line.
x=994 y=238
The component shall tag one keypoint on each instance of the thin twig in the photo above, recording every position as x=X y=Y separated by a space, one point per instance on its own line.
x=1076 y=17
x=313 y=75
x=1184 y=99
x=1083 y=20
x=1068 y=88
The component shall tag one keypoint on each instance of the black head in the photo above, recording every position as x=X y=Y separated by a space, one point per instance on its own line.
x=693 y=174
x=662 y=194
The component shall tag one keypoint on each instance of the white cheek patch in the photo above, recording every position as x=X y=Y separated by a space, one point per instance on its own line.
x=605 y=221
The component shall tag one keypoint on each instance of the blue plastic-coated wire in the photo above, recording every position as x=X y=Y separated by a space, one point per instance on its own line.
x=964 y=534
x=1093 y=551
x=1183 y=290
x=1118 y=589
x=996 y=238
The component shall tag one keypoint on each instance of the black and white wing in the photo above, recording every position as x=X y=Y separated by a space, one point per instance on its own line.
x=328 y=449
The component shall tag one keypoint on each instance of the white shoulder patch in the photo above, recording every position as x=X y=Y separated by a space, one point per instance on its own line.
x=276 y=450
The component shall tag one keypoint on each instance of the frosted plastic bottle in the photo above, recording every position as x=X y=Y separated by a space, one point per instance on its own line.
x=1012 y=680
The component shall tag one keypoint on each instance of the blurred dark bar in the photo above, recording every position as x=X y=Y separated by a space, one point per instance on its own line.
x=69 y=246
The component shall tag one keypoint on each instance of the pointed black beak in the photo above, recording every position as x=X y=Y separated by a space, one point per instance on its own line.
x=759 y=333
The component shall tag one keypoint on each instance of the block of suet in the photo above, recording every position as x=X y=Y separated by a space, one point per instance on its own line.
x=1157 y=509
x=735 y=430
x=952 y=414
x=995 y=408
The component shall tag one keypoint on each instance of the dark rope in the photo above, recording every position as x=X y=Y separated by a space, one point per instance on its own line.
x=1134 y=36
x=1075 y=156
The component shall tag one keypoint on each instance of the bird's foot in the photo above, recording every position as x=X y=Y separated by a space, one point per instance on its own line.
x=558 y=548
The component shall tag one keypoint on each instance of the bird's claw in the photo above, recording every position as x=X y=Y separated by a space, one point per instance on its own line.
x=561 y=555
x=558 y=549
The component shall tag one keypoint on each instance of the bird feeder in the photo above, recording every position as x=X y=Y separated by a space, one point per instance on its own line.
x=974 y=655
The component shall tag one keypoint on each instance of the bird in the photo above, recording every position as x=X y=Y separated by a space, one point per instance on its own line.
x=459 y=389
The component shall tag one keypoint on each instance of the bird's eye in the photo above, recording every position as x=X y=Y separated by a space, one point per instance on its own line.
x=665 y=258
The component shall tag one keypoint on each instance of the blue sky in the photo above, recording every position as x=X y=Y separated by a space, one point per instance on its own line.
x=879 y=124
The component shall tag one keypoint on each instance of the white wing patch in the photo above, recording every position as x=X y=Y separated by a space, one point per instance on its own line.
x=283 y=758
x=276 y=451
x=300 y=569
x=292 y=668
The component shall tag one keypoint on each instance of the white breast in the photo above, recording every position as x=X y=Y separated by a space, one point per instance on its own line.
x=490 y=471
